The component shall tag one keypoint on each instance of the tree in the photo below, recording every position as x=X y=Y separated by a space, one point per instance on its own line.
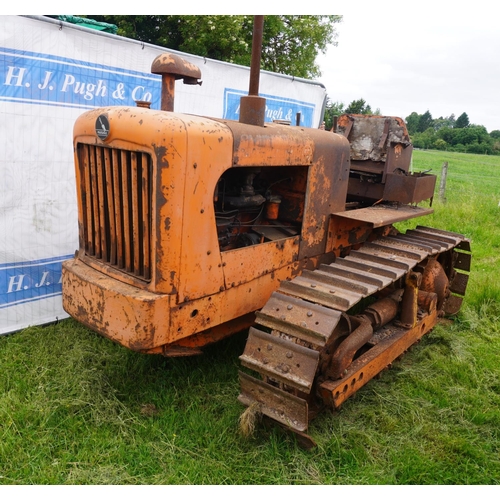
x=359 y=107
x=412 y=122
x=425 y=121
x=290 y=43
x=446 y=122
x=425 y=139
x=462 y=121
x=332 y=109
x=420 y=123
x=470 y=134
x=440 y=144
x=447 y=134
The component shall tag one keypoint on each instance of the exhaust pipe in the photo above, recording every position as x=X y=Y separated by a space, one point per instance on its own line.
x=253 y=107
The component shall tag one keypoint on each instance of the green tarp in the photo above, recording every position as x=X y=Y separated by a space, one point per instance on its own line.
x=90 y=23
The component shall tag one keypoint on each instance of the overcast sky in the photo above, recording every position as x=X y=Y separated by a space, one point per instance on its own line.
x=402 y=57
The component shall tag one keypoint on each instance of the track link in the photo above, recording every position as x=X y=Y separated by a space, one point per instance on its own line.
x=305 y=321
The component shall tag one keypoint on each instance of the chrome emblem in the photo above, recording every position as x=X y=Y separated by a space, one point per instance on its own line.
x=102 y=127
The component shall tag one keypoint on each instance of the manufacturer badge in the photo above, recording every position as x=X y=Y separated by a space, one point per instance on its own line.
x=102 y=127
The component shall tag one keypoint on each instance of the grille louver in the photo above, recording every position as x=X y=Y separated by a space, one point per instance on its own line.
x=117 y=206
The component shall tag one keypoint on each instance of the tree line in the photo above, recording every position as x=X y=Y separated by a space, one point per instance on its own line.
x=450 y=134
x=443 y=133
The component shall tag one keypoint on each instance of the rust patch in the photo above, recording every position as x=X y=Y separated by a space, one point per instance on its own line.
x=161 y=154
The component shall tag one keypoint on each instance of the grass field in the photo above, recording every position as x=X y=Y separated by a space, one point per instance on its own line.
x=77 y=409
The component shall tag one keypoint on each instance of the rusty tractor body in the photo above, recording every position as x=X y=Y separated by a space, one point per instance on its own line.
x=194 y=228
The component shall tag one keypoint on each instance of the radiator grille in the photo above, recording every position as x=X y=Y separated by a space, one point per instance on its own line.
x=117 y=203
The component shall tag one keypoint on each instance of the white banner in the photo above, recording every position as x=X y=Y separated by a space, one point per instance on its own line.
x=50 y=72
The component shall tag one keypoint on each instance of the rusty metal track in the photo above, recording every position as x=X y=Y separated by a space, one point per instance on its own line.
x=299 y=320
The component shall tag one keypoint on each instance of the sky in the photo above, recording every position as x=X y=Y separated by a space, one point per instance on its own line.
x=401 y=57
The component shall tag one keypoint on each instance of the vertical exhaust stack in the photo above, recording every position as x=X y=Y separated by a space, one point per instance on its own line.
x=172 y=67
x=253 y=107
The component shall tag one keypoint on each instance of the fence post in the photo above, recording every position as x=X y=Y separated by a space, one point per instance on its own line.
x=442 y=185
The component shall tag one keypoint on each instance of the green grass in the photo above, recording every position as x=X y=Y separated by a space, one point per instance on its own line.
x=77 y=409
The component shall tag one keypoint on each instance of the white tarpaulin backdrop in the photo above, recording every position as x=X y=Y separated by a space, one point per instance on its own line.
x=50 y=72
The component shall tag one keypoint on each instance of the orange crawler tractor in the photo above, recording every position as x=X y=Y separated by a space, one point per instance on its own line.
x=194 y=228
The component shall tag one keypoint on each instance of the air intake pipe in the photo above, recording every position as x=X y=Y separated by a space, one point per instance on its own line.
x=171 y=67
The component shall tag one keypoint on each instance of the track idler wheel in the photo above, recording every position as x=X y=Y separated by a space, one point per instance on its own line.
x=434 y=280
